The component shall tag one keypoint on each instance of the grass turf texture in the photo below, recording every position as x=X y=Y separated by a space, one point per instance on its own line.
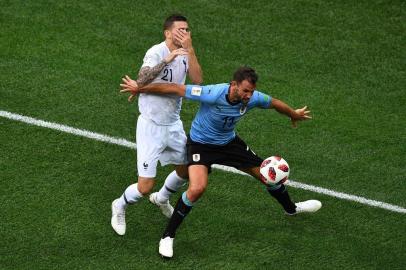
x=62 y=62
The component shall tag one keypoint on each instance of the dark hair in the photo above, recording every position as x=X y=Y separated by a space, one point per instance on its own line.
x=173 y=18
x=245 y=73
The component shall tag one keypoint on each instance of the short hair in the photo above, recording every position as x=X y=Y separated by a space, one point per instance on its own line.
x=173 y=18
x=245 y=73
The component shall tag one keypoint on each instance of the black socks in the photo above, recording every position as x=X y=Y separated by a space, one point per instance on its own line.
x=282 y=196
x=181 y=210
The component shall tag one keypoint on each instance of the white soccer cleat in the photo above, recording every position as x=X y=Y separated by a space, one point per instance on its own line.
x=166 y=247
x=166 y=207
x=117 y=219
x=309 y=206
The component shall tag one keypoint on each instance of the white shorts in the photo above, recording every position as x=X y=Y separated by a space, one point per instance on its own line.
x=155 y=142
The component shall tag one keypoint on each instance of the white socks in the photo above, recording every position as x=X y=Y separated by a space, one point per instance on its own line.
x=131 y=195
x=172 y=183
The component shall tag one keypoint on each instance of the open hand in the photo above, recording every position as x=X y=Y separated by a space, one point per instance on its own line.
x=174 y=53
x=184 y=38
x=129 y=85
x=301 y=115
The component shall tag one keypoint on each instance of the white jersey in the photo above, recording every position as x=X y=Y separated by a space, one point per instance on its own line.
x=163 y=109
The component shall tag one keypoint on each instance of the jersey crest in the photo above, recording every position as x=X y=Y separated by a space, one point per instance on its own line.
x=196 y=157
x=243 y=109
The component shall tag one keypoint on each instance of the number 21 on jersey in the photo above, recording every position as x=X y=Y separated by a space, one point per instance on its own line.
x=167 y=75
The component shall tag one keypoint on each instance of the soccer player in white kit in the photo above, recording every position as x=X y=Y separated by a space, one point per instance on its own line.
x=160 y=135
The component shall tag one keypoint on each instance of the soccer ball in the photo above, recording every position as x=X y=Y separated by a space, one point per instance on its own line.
x=274 y=170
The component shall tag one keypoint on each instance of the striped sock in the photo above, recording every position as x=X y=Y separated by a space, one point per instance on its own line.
x=172 y=183
x=130 y=196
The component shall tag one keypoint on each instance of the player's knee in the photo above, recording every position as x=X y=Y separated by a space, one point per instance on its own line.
x=145 y=186
x=195 y=192
x=144 y=190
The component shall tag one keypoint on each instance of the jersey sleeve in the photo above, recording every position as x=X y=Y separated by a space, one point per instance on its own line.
x=262 y=100
x=204 y=94
x=151 y=58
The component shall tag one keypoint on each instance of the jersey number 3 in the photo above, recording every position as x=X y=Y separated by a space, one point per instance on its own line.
x=167 y=75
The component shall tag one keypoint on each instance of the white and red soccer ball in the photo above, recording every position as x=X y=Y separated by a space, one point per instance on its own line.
x=274 y=170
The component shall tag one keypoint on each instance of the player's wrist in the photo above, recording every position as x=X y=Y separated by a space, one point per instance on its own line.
x=293 y=114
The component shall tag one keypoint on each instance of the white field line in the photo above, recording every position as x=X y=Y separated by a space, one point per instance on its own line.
x=67 y=129
x=131 y=145
x=332 y=193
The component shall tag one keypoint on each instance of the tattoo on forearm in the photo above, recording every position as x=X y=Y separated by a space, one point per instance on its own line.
x=148 y=74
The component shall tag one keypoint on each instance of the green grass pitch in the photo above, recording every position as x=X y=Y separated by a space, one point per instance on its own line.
x=62 y=61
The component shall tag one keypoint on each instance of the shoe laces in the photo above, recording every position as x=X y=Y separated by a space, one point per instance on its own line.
x=165 y=204
x=121 y=218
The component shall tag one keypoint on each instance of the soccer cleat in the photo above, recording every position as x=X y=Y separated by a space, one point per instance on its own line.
x=309 y=206
x=166 y=247
x=166 y=207
x=117 y=219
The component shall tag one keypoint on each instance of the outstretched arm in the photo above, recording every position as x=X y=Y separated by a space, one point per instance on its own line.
x=132 y=87
x=295 y=115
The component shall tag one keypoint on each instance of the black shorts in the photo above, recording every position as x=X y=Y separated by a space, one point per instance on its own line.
x=235 y=154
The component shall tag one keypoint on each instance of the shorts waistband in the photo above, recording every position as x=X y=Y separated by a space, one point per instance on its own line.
x=159 y=124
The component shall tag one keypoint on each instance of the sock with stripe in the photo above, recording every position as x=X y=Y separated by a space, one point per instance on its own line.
x=172 y=183
x=182 y=208
x=130 y=196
